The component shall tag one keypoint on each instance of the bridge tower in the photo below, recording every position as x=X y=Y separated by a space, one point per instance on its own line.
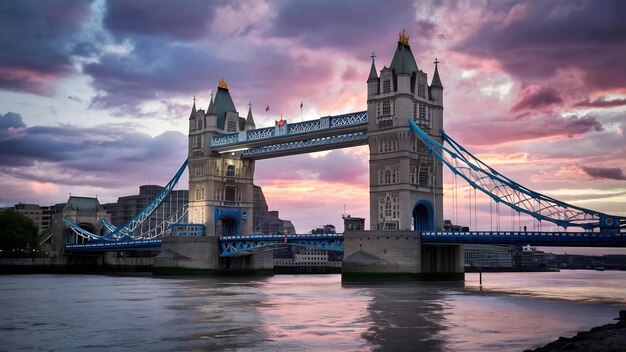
x=405 y=179
x=220 y=184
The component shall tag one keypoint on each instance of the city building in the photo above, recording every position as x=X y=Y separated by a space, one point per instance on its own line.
x=268 y=221
x=478 y=255
x=40 y=215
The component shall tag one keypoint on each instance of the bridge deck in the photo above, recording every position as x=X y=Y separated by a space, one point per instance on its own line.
x=241 y=245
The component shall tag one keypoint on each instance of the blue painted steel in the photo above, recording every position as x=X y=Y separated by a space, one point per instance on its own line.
x=327 y=123
x=303 y=145
x=231 y=246
x=502 y=189
x=110 y=227
x=80 y=231
x=106 y=246
x=126 y=231
x=565 y=239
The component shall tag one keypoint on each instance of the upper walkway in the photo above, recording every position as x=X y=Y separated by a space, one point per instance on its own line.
x=329 y=132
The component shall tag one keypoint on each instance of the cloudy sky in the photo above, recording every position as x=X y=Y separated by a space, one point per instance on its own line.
x=95 y=96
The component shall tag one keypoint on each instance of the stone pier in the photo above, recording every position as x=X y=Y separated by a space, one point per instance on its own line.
x=371 y=256
x=200 y=256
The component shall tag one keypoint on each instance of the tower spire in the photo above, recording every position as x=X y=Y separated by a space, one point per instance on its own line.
x=373 y=75
x=249 y=125
x=436 y=82
x=193 y=109
x=210 y=110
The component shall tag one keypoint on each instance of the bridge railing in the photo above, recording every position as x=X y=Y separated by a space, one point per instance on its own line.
x=548 y=238
x=291 y=129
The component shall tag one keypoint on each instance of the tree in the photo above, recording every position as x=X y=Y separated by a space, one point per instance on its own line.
x=17 y=231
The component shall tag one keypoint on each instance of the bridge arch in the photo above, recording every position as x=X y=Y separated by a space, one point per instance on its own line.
x=423 y=216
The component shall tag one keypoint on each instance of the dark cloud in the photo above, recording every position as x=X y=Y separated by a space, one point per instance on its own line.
x=354 y=25
x=37 y=42
x=534 y=97
x=101 y=156
x=601 y=103
x=611 y=173
x=11 y=120
x=533 y=127
x=533 y=40
x=184 y=20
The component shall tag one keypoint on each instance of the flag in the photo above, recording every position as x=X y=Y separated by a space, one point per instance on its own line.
x=301 y=105
x=267 y=109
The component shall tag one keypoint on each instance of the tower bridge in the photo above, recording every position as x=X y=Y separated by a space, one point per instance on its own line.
x=403 y=127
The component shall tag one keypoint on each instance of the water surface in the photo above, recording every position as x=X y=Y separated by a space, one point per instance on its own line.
x=302 y=312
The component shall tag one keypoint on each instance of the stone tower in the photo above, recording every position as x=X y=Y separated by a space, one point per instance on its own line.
x=405 y=180
x=220 y=185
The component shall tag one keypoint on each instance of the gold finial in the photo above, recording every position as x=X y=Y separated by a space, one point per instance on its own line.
x=222 y=84
x=404 y=39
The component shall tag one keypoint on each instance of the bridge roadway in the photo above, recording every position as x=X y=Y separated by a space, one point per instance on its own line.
x=325 y=133
x=242 y=245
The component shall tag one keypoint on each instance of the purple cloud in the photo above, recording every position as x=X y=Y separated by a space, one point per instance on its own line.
x=534 y=98
x=351 y=26
x=188 y=20
x=37 y=42
x=101 y=156
x=611 y=173
x=533 y=127
x=532 y=40
x=601 y=103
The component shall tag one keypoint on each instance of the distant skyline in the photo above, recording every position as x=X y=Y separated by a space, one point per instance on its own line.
x=95 y=96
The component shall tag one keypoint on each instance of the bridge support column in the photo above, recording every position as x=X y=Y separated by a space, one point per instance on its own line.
x=261 y=263
x=442 y=262
x=200 y=256
x=187 y=255
x=373 y=256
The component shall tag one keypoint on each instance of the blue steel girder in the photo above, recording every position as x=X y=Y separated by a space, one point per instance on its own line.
x=533 y=238
x=126 y=231
x=231 y=246
x=290 y=132
x=306 y=146
x=504 y=190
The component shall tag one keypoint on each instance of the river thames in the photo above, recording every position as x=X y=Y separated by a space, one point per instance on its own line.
x=515 y=311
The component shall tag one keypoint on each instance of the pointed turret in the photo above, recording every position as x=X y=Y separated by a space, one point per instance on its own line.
x=210 y=110
x=436 y=88
x=373 y=81
x=436 y=82
x=192 y=116
x=403 y=59
x=373 y=73
x=249 y=125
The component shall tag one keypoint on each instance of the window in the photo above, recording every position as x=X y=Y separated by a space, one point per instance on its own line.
x=230 y=170
x=386 y=86
x=387 y=107
x=229 y=195
x=421 y=90
x=422 y=114
x=232 y=126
